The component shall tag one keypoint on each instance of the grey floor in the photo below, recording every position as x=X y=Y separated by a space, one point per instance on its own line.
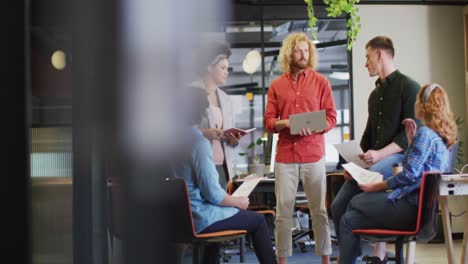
x=300 y=255
x=427 y=253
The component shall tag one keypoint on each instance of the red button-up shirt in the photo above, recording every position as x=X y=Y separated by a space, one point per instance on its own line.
x=286 y=96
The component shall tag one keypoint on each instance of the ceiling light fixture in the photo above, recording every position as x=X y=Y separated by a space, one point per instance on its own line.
x=58 y=60
x=252 y=61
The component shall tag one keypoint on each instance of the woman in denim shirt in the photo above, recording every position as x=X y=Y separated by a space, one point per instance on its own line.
x=397 y=209
x=213 y=209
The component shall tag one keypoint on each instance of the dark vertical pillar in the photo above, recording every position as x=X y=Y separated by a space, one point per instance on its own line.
x=82 y=131
x=93 y=64
x=262 y=47
x=14 y=111
x=351 y=92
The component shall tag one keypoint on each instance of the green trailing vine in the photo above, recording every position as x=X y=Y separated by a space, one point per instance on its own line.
x=336 y=8
x=312 y=18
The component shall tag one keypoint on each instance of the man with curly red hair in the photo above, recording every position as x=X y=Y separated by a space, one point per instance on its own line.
x=300 y=157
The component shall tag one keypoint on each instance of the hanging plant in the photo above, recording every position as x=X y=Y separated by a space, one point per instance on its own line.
x=334 y=9
x=312 y=18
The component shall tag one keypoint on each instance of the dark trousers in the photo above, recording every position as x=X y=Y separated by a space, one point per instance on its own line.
x=255 y=224
x=372 y=210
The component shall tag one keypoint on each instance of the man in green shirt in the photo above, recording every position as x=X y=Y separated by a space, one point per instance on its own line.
x=384 y=140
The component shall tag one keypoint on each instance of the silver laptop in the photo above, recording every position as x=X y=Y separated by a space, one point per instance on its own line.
x=315 y=121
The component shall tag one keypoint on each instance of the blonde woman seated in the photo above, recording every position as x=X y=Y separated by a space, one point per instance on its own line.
x=397 y=209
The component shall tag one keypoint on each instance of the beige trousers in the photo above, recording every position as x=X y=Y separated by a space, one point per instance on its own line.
x=313 y=178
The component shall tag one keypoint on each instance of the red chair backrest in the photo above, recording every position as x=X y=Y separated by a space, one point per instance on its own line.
x=428 y=206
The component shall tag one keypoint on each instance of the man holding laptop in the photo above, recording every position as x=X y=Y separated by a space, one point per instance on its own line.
x=300 y=89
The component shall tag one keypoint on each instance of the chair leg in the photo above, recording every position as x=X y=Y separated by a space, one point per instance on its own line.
x=311 y=232
x=241 y=249
x=196 y=254
x=410 y=252
x=110 y=242
x=248 y=241
x=399 y=252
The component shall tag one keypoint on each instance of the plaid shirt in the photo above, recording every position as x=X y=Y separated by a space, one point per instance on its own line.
x=427 y=152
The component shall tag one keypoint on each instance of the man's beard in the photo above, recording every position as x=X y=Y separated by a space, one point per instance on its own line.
x=299 y=66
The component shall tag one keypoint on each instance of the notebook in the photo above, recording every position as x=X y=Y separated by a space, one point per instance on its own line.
x=315 y=121
x=236 y=131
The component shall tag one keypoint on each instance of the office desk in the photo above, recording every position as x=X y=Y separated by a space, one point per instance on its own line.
x=265 y=186
x=268 y=185
x=334 y=183
x=453 y=185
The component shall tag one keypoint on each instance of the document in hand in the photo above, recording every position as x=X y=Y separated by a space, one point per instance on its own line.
x=236 y=131
x=315 y=121
x=350 y=152
x=362 y=176
x=247 y=186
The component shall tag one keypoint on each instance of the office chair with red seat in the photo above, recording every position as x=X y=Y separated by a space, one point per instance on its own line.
x=300 y=232
x=334 y=182
x=260 y=208
x=425 y=229
x=185 y=232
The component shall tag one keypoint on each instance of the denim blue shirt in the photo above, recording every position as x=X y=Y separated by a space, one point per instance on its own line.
x=199 y=171
x=427 y=152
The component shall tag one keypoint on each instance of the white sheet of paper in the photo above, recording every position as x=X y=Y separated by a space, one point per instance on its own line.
x=350 y=152
x=362 y=176
x=247 y=186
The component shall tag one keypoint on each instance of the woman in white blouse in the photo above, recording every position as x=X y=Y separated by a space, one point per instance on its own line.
x=220 y=113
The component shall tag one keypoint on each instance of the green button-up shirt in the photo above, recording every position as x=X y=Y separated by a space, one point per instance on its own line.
x=389 y=103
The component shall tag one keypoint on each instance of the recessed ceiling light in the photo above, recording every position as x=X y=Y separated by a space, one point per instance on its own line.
x=252 y=60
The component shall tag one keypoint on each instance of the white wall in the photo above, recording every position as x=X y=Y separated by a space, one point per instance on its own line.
x=429 y=47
